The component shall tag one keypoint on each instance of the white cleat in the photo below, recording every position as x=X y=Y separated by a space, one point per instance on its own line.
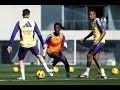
x=83 y=75
x=21 y=78
x=50 y=72
x=103 y=77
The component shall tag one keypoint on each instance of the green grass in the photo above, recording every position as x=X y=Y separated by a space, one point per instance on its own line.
x=7 y=77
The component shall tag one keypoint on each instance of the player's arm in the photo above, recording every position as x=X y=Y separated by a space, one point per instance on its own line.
x=16 y=28
x=102 y=30
x=89 y=35
x=64 y=42
x=39 y=35
x=47 y=41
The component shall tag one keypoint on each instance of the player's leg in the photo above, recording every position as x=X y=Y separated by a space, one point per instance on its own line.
x=21 y=54
x=97 y=61
x=89 y=62
x=54 y=63
x=66 y=66
x=55 y=57
x=63 y=59
x=35 y=51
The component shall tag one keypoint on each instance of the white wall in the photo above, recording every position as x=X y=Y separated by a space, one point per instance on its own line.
x=10 y=14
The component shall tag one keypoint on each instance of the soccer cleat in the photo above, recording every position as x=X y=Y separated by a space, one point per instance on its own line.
x=69 y=76
x=83 y=76
x=50 y=72
x=21 y=78
x=103 y=77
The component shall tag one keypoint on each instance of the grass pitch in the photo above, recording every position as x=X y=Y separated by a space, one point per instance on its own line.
x=7 y=77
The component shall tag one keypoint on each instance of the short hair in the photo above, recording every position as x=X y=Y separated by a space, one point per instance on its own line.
x=59 y=25
x=92 y=10
x=26 y=12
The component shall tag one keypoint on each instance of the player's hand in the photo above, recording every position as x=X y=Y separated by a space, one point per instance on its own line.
x=65 y=44
x=9 y=49
x=82 y=40
x=44 y=46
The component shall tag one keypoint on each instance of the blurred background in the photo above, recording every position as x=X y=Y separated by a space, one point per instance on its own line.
x=77 y=25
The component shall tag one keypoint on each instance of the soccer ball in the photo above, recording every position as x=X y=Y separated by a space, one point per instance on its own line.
x=37 y=73
x=55 y=69
x=40 y=74
x=15 y=69
x=115 y=71
x=99 y=72
x=71 y=69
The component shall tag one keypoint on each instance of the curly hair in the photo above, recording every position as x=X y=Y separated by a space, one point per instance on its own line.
x=59 y=25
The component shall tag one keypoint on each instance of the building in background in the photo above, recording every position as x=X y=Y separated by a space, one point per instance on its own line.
x=76 y=23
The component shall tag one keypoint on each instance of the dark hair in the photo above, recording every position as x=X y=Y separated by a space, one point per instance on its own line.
x=93 y=10
x=59 y=25
x=26 y=12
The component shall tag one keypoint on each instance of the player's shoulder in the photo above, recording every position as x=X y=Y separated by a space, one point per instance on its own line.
x=62 y=33
x=18 y=22
x=49 y=35
x=98 y=21
x=31 y=20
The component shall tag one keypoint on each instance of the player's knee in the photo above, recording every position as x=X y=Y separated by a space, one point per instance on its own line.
x=89 y=55
x=95 y=57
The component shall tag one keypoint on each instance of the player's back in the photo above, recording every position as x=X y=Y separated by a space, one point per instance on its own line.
x=27 y=32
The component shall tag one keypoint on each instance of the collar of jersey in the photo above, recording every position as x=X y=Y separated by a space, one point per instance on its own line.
x=26 y=16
